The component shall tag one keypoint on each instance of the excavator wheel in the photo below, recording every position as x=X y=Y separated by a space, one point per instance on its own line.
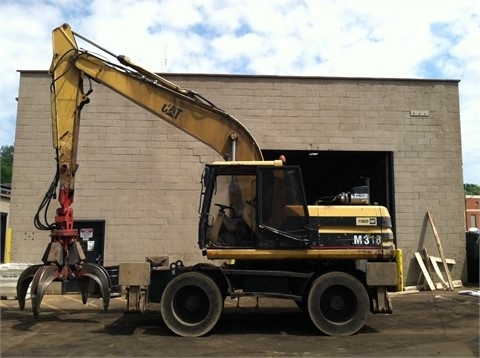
x=338 y=304
x=191 y=304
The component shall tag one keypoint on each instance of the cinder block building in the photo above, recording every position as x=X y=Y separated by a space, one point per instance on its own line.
x=138 y=182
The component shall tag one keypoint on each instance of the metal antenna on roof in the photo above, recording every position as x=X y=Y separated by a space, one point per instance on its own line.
x=165 y=57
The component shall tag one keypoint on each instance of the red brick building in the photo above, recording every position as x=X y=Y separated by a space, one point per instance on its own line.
x=472 y=211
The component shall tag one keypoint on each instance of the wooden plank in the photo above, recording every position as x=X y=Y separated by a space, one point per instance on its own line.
x=406 y=292
x=440 y=249
x=442 y=284
x=425 y=271
x=439 y=274
x=456 y=284
x=438 y=259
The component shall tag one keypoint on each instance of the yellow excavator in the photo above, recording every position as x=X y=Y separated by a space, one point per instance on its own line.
x=335 y=258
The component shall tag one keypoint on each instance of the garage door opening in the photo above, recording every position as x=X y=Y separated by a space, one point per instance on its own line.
x=328 y=173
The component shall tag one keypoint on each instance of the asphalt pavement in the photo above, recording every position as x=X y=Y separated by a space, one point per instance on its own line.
x=424 y=324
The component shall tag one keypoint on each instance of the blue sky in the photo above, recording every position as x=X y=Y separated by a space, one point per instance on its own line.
x=393 y=39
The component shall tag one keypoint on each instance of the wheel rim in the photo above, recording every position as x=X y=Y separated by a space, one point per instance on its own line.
x=191 y=305
x=338 y=304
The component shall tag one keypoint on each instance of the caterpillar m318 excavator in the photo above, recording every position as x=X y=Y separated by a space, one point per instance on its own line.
x=335 y=259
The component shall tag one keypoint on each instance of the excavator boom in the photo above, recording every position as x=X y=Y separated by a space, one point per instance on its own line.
x=182 y=108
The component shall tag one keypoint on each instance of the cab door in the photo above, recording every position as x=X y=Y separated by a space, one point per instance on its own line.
x=282 y=208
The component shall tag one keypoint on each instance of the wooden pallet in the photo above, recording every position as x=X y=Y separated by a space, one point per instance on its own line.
x=425 y=261
x=425 y=273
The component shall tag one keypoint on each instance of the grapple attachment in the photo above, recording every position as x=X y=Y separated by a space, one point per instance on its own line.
x=63 y=261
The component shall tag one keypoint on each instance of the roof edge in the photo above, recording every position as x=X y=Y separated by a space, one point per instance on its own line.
x=291 y=76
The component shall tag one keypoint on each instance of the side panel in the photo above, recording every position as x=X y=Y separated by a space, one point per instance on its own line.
x=381 y=273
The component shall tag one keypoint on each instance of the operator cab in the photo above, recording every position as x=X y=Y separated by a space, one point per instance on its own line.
x=260 y=205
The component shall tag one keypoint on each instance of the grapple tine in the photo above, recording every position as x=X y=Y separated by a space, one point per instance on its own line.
x=101 y=277
x=23 y=282
x=42 y=279
x=84 y=283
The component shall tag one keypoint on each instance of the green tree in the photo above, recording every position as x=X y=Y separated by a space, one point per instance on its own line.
x=6 y=162
x=471 y=189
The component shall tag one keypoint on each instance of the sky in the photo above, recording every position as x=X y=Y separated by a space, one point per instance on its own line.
x=420 y=39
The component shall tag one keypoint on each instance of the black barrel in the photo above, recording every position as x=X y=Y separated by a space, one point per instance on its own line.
x=472 y=246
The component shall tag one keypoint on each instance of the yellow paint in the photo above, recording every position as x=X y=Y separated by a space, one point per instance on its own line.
x=296 y=254
x=8 y=245
x=348 y=211
x=399 y=259
x=351 y=230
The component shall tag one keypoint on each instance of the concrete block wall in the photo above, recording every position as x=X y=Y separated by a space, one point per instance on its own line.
x=143 y=176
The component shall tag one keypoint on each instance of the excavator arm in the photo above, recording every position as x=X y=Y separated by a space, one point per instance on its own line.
x=183 y=108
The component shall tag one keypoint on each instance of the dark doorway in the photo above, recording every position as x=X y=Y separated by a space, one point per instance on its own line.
x=92 y=239
x=328 y=173
x=3 y=234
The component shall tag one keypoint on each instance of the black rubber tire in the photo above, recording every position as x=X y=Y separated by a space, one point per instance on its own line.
x=338 y=304
x=191 y=304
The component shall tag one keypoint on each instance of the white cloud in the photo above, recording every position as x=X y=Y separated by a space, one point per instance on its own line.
x=395 y=39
